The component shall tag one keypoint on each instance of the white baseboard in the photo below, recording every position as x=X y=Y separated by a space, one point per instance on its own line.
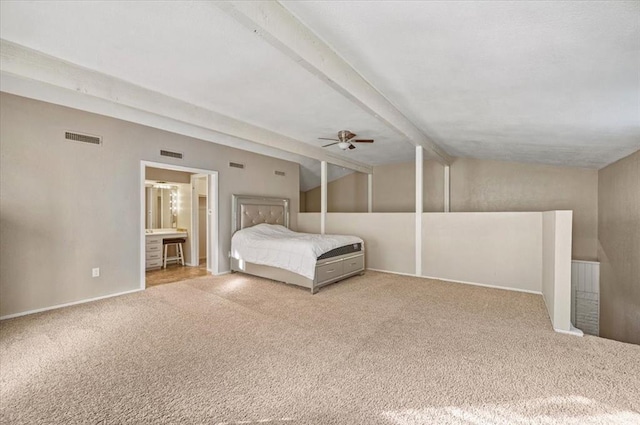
x=57 y=306
x=223 y=273
x=506 y=288
x=390 y=272
x=573 y=331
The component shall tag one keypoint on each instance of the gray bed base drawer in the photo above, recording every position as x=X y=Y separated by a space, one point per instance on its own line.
x=328 y=271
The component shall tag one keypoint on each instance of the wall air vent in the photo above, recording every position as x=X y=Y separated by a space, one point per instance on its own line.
x=84 y=138
x=171 y=154
x=280 y=173
x=236 y=165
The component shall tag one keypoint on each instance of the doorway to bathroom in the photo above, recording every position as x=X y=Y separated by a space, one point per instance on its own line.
x=179 y=222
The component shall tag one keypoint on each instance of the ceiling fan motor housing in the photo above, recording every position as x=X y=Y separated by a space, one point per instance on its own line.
x=344 y=135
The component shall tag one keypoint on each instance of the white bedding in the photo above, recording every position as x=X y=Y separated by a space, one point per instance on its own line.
x=276 y=246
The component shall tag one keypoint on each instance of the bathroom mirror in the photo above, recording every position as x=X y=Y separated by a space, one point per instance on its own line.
x=161 y=206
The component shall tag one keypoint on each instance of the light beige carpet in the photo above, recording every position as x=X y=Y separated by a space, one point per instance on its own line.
x=376 y=349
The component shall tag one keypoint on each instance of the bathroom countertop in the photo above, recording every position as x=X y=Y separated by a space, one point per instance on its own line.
x=166 y=232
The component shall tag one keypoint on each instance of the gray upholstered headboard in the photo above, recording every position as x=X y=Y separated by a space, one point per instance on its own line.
x=251 y=210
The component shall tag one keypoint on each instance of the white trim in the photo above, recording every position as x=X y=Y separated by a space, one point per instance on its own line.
x=323 y=196
x=464 y=282
x=447 y=189
x=224 y=273
x=195 y=224
x=585 y=262
x=419 y=208
x=212 y=259
x=390 y=272
x=574 y=331
x=506 y=288
x=370 y=192
x=57 y=306
x=213 y=221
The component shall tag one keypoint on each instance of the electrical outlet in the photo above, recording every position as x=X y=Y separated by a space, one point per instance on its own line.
x=95 y=272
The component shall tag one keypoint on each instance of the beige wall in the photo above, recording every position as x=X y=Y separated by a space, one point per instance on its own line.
x=502 y=249
x=346 y=194
x=67 y=207
x=394 y=190
x=481 y=185
x=619 y=249
x=394 y=187
x=303 y=201
x=168 y=175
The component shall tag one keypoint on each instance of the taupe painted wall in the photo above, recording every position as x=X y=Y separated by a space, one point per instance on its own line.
x=619 y=249
x=346 y=194
x=394 y=187
x=303 y=201
x=67 y=207
x=168 y=175
x=394 y=190
x=482 y=185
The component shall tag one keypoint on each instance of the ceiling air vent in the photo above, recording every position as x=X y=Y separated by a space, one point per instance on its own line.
x=280 y=173
x=84 y=138
x=236 y=165
x=171 y=154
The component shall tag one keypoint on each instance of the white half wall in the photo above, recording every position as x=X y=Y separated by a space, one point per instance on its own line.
x=389 y=238
x=556 y=268
x=521 y=251
x=500 y=249
x=308 y=223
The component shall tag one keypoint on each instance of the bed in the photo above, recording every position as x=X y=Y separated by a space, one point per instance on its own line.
x=263 y=245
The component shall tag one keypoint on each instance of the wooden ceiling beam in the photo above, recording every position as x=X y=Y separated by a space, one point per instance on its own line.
x=276 y=25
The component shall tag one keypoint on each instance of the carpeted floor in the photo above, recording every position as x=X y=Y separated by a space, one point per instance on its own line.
x=375 y=349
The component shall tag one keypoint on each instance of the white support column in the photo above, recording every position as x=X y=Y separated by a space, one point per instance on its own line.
x=323 y=195
x=447 y=189
x=419 y=207
x=370 y=193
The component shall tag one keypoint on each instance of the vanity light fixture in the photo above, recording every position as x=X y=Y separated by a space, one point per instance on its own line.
x=173 y=203
x=162 y=186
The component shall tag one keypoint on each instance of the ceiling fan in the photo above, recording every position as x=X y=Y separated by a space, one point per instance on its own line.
x=344 y=141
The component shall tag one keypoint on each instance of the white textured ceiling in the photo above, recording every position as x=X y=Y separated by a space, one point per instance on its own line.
x=195 y=52
x=538 y=81
x=548 y=82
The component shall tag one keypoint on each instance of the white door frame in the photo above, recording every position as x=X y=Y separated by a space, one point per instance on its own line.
x=195 y=224
x=212 y=216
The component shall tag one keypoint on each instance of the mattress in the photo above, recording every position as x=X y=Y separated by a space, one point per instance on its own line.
x=276 y=246
x=347 y=249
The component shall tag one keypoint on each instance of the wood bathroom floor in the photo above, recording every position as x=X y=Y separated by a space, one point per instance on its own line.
x=174 y=273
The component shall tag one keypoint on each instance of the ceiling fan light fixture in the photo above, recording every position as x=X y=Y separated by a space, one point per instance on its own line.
x=344 y=145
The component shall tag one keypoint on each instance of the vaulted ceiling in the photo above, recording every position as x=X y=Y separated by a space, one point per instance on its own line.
x=545 y=82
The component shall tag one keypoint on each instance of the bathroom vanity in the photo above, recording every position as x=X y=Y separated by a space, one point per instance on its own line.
x=154 y=250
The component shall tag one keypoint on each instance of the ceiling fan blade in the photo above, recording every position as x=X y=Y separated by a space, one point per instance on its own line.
x=351 y=147
x=363 y=141
x=330 y=144
x=324 y=138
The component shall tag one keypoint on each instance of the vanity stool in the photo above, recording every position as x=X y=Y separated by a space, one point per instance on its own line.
x=179 y=257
